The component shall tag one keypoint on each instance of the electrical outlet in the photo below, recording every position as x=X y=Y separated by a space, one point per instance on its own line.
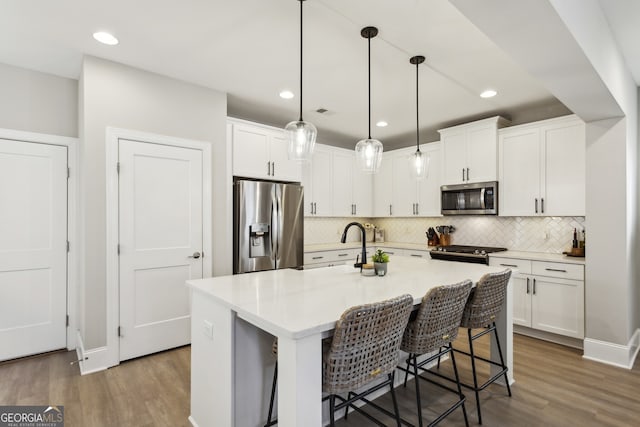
x=208 y=329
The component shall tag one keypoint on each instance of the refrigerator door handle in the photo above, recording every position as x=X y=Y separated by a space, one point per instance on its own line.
x=275 y=227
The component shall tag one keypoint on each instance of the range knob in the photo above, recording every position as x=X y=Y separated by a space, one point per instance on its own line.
x=483 y=252
x=477 y=252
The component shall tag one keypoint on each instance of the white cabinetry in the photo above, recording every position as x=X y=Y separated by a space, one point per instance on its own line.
x=547 y=296
x=542 y=168
x=330 y=258
x=261 y=152
x=398 y=194
x=469 y=151
x=317 y=182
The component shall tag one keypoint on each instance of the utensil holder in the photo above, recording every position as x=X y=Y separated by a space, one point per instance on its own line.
x=445 y=239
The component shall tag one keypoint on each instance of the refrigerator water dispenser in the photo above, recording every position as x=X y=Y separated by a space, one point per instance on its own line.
x=259 y=236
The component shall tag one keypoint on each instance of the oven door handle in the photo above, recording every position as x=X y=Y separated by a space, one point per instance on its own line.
x=483 y=204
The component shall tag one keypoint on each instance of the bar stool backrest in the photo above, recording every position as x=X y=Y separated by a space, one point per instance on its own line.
x=365 y=344
x=486 y=300
x=438 y=318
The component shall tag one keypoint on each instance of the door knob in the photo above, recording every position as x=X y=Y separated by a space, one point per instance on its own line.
x=195 y=255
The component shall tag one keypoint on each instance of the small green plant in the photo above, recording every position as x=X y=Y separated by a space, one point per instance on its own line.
x=380 y=256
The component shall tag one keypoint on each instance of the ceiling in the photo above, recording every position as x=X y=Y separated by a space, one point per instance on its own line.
x=249 y=49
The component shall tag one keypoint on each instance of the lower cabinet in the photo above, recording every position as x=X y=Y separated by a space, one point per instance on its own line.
x=331 y=258
x=547 y=296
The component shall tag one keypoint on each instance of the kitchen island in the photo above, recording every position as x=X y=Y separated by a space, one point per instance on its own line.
x=300 y=308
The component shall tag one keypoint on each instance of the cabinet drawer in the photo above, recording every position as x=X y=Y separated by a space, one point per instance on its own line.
x=343 y=256
x=522 y=265
x=391 y=251
x=554 y=269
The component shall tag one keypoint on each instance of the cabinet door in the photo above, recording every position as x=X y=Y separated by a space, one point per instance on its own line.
x=342 y=183
x=322 y=181
x=362 y=190
x=564 y=177
x=382 y=187
x=404 y=188
x=251 y=152
x=558 y=306
x=482 y=154
x=429 y=188
x=282 y=168
x=454 y=149
x=521 y=300
x=519 y=172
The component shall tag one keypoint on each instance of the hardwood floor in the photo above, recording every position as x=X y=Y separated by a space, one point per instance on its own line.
x=554 y=387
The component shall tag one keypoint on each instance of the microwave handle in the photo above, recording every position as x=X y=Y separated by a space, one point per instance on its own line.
x=483 y=204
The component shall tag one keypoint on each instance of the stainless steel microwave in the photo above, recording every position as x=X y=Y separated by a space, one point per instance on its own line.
x=480 y=198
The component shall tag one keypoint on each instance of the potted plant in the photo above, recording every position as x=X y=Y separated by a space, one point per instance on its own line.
x=380 y=260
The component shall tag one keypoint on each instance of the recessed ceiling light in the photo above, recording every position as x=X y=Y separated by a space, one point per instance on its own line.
x=382 y=124
x=105 y=38
x=489 y=93
x=286 y=94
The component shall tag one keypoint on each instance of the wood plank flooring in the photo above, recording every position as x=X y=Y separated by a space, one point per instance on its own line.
x=554 y=387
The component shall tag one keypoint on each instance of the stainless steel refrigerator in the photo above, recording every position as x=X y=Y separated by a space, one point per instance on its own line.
x=268 y=226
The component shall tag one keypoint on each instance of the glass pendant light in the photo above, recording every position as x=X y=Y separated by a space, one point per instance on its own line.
x=418 y=161
x=301 y=135
x=369 y=151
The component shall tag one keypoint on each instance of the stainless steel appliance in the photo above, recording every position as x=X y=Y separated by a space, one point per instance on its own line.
x=268 y=228
x=475 y=254
x=470 y=199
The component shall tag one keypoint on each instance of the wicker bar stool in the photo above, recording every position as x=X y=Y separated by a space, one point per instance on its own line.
x=434 y=328
x=484 y=304
x=364 y=348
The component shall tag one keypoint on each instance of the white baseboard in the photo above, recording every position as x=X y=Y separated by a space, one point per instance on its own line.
x=548 y=336
x=93 y=360
x=619 y=355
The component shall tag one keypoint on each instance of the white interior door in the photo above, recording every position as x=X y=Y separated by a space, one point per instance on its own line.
x=33 y=248
x=161 y=239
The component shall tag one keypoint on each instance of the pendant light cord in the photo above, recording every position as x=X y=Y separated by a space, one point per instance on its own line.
x=417 y=111
x=369 y=75
x=301 y=59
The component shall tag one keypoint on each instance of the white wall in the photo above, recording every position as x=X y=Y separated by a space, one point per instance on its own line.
x=38 y=102
x=116 y=95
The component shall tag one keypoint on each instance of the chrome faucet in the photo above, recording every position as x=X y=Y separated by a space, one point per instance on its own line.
x=363 y=259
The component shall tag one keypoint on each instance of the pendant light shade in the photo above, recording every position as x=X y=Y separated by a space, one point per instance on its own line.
x=418 y=161
x=369 y=150
x=301 y=135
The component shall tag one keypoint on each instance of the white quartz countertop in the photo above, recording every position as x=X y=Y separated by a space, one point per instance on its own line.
x=299 y=303
x=357 y=245
x=539 y=256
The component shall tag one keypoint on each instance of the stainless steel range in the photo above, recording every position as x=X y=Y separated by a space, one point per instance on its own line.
x=475 y=254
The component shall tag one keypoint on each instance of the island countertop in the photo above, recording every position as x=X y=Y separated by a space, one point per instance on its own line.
x=299 y=303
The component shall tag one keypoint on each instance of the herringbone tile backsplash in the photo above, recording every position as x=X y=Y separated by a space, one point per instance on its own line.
x=535 y=234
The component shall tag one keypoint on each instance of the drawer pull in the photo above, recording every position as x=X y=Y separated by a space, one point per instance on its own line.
x=317 y=257
x=389 y=253
x=527 y=285
x=556 y=269
x=509 y=265
x=534 y=286
x=343 y=254
x=416 y=255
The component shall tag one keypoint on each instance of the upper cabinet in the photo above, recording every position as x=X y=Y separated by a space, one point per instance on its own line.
x=260 y=151
x=334 y=186
x=470 y=151
x=542 y=168
x=397 y=194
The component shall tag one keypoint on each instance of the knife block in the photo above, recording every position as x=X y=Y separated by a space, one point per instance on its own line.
x=445 y=239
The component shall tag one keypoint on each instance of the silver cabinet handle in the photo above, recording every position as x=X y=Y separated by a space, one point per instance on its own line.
x=311 y=208
x=343 y=254
x=556 y=269
x=509 y=265
x=536 y=205
x=315 y=208
x=390 y=210
x=390 y=253
x=527 y=285
x=534 y=286
x=416 y=255
x=355 y=209
x=467 y=174
x=195 y=255
x=463 y=174
x=317 y=257
x=273 y=168
x=269 y=168
x=417 y=209
x=542 y=204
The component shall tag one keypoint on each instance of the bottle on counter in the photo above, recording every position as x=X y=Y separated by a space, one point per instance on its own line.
x=575 y=238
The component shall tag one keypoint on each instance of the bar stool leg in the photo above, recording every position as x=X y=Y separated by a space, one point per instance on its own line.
x=416 y=379
x=455 y=372
x=475 y=378
x=406 y=372
x=395 y=401
x=273 y=395
x=332 y=408
x=506 y=378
